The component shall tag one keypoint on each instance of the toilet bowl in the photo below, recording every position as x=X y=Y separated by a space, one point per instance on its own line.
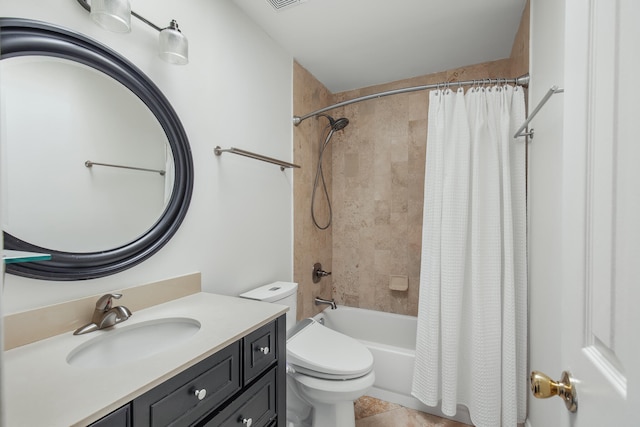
x=326 y=370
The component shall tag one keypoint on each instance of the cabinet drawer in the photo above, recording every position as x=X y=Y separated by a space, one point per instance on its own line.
x=257 y=404
x=175 y=402
x=259 y=351
x=118 y=418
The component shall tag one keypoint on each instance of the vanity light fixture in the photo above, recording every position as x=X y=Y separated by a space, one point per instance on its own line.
x=112 y=15
x=115 y=15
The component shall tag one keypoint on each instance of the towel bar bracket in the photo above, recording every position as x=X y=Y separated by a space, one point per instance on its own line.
x=521 y=130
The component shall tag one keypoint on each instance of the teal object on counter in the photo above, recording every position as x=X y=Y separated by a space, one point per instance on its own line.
x=13 y=257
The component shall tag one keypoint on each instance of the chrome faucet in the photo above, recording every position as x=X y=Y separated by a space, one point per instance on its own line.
x=105 y=315
x=330 y=302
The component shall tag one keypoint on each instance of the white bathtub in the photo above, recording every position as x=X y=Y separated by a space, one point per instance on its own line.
x=391 y=338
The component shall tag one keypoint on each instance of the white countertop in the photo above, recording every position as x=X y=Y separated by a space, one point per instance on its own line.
x=41 y=389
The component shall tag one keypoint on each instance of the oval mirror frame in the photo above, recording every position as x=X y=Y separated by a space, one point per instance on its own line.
x=20 y=37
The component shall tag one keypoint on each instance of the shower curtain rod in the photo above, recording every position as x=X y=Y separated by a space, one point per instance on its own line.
x=520 y=81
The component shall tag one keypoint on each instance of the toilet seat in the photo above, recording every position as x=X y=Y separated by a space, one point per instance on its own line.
x=320 y=352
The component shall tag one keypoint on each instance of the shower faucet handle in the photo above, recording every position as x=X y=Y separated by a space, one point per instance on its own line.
x=319 y=273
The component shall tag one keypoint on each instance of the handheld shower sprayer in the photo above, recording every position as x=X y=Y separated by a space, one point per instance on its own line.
x=333 y=126
x=338 y=124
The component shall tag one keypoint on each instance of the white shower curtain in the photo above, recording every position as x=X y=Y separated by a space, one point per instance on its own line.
x=472 y=320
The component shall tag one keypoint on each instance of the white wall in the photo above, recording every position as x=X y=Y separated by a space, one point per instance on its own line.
x=545 y=174
x=236 y=91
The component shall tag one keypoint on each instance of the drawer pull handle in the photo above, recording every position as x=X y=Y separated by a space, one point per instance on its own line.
x=264 y=350
x=200 y=394
x=247 y=422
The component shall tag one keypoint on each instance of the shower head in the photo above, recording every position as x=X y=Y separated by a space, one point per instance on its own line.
x=340 y=124
x=336 y=125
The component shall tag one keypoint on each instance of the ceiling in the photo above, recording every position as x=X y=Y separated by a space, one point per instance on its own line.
x=349 y=44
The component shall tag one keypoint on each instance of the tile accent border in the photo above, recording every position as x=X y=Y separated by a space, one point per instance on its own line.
x=44 y=322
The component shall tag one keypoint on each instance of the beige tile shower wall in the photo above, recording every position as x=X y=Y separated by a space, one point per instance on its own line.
x=520 y=49
x=310 y=244
x=378 y=186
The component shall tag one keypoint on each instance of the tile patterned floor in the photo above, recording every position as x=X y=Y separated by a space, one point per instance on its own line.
x=371 y=412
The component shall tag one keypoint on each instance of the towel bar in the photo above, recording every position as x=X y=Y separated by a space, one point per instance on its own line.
x=218 y=151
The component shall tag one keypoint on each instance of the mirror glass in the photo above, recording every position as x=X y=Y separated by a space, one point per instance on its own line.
x=67 y=99
x=59 y=114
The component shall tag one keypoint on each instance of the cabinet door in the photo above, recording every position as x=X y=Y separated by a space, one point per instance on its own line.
x=255 y=407
x=260 y=350
x=118 y=418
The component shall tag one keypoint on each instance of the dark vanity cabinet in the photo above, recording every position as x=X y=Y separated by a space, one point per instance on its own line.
x=118 y=418
x=240 y=385
x=192 y=394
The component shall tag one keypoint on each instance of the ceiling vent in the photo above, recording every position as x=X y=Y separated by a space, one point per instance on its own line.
x=284 y=4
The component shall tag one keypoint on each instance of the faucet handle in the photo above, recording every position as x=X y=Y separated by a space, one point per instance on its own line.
x=319 y=273
x=104 y=303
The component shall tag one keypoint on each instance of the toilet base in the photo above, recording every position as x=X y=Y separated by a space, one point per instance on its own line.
x=299 y=411
x=330 y=402
x=334 y=415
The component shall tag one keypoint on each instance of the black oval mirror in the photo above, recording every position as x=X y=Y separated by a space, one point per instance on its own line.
x=20 y=37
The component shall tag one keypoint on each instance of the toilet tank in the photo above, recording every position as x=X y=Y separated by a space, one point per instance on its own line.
x=285 y=293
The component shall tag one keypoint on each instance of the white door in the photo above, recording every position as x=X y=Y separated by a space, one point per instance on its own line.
x=599 y=318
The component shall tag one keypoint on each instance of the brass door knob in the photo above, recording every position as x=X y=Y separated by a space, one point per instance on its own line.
x=542 y=387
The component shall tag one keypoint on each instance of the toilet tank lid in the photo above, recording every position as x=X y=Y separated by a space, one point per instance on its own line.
x=272 y=291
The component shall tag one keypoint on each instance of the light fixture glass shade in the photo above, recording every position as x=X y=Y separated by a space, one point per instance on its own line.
x=174 y=47
x=112 y=15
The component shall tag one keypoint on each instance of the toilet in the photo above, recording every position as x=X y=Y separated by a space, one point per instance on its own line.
x=326 y=370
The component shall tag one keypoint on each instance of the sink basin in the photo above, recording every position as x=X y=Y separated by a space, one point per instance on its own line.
x=135 y=342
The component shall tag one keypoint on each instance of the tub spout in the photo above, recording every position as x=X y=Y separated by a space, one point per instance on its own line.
x=330 y=302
